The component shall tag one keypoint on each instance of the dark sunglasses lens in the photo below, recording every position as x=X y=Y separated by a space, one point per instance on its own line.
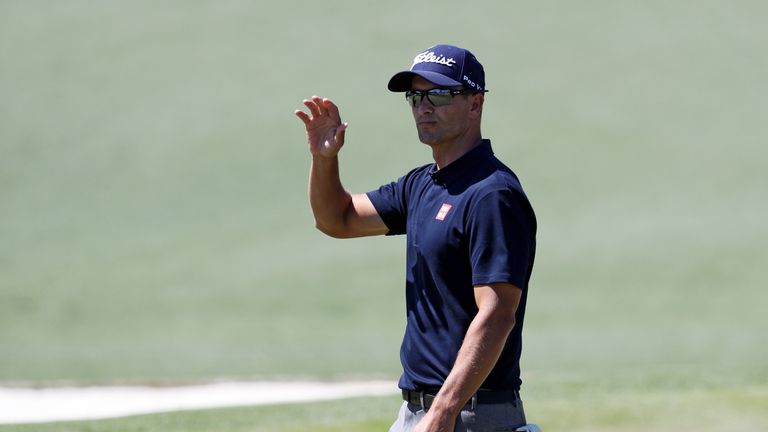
x=413 y=98
x=439 y=98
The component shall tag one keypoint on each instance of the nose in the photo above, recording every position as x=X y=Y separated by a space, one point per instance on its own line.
x=424 y=107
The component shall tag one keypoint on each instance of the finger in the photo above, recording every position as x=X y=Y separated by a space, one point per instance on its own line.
x=312 y=107
x=320 y=105
x=303 y=116
x=332 y=109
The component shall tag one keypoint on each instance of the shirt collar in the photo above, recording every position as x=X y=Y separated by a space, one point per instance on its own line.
x=455 y=169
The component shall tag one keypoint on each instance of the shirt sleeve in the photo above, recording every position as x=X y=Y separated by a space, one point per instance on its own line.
x=502 y=232
x=390 y=202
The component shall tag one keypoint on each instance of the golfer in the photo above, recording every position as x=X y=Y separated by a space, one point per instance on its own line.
x=471 y=239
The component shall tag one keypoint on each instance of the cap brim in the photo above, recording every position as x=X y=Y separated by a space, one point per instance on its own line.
x=401 y=81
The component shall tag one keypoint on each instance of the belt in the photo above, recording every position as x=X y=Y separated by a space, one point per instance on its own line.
x=424 y=399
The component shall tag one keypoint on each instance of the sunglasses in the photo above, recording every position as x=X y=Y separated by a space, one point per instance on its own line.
x=437 y=97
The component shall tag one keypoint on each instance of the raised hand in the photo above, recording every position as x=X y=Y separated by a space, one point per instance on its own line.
x=325 y=131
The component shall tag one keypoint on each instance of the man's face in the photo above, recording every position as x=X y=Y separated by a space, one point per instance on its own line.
x=442 y=124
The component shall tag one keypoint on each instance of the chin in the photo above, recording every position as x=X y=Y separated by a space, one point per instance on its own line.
x=427 y=139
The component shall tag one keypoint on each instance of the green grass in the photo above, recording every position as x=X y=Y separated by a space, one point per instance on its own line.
x=154 y=224
x=647 y=401
x=371 y=414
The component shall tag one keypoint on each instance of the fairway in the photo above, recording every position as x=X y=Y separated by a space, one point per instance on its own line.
x=25 y=405
x=154 y=224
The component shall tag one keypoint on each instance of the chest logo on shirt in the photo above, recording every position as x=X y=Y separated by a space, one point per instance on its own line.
x=443 y=212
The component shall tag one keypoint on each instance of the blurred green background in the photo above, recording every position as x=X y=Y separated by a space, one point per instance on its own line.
x=154 y=224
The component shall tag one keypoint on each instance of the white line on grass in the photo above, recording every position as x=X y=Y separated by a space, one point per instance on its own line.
x=25 y=405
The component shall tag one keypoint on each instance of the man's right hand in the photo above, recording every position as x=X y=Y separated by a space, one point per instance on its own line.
x=325 y=131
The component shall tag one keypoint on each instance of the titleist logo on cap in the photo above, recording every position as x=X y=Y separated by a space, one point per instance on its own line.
x=430 y=57
x=445 y=66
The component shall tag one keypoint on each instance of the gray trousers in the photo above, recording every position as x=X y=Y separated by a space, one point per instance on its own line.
x=482 y=418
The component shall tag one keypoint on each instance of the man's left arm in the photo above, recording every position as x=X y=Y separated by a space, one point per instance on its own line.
x=481 y=349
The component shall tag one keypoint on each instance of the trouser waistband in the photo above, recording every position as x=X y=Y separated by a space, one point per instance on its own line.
x=424 y=399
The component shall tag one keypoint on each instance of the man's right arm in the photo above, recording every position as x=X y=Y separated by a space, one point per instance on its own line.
x=337 y=212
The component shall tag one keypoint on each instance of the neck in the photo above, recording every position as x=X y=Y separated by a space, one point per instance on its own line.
x=445 y=153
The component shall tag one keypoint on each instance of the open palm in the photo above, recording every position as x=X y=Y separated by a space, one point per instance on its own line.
x=325 y=131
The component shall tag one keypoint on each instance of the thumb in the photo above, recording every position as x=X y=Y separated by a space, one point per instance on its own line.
x=340 y=132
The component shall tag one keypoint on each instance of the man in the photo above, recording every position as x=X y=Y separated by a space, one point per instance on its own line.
x=470 y=247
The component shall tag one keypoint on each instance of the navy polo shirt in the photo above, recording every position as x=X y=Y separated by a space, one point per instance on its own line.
x=467 y=224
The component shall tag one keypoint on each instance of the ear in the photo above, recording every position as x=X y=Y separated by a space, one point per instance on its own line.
x=476 y=103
